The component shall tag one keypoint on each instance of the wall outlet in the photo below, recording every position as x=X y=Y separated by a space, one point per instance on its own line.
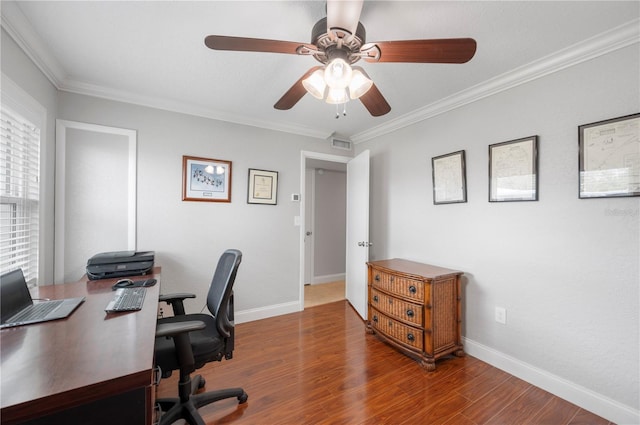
x=501 y=315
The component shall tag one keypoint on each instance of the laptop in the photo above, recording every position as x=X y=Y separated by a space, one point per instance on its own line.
x=17 y=307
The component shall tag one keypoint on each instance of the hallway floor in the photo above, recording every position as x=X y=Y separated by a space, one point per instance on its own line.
x=323 y=293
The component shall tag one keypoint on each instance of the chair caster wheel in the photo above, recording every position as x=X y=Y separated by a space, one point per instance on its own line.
x=242 y=398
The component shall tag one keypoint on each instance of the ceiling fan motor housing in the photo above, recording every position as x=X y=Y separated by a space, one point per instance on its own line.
x=340 y=44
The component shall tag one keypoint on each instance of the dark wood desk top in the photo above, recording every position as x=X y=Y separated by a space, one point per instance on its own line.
x=90 y=355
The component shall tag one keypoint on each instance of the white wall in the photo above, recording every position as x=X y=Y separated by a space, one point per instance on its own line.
x=566 y=270
x=188 y=237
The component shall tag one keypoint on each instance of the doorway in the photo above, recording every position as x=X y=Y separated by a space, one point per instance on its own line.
x=323 y=206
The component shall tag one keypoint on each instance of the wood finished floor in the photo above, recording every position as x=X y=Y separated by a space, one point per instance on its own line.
x=320 y=367
x=323 y=293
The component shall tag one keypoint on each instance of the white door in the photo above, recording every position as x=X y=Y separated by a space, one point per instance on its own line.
x=357 y=232
x=308 y=230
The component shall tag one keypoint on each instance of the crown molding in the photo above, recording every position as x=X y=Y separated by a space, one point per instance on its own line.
x=183 y=108
x=18 y=27
x=606 y=42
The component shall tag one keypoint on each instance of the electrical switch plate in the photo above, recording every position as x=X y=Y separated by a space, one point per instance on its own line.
x=501 y=315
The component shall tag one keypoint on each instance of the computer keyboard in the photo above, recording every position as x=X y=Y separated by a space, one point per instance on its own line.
x=127 y=299
x=36 y=311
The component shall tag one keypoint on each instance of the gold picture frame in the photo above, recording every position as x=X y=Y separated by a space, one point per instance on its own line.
x=206 y=179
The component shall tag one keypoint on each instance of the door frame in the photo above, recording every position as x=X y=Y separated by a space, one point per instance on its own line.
x=59 y=215
x=304 y=155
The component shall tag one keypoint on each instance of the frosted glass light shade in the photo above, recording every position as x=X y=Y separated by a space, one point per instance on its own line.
x=337 y=74
x=314 y=84
x=360 y=83
x=337 y=96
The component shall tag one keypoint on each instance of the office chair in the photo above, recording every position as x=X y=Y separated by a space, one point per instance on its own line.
x=186 y=342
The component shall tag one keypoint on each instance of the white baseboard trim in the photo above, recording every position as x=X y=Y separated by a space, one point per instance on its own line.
x=574 y=393
x=266 y=312
x=328 y=278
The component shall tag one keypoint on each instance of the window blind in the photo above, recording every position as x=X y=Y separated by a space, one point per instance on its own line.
x=19 y=194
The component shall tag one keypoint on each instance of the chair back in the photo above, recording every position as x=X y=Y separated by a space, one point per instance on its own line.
x=221 y=289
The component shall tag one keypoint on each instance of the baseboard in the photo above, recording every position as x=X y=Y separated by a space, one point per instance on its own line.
x=589 y=400
x=266 y=312
x=328 y=278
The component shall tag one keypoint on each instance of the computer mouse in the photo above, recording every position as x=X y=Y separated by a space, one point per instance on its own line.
x=123 y=283
x=149 y=282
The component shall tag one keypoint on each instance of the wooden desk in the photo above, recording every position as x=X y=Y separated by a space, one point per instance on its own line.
x=92 y=367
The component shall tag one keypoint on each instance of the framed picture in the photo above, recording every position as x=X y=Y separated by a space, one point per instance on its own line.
x=513 y=170
x=263 y=187
x=205 y=179
x=449 y=178
x=610 y=157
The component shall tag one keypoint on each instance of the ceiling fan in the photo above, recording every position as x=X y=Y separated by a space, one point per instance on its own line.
x=337 y=42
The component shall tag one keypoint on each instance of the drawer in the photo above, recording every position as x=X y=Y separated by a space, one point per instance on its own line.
x=402 y=286
x=397 y=308
x=392 y=328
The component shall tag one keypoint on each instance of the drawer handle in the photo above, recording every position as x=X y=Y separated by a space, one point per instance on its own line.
x=375 y=319
x=375 y=298
x=411 y=337
x=390 y=323
x=413 y=289
x=410 y=313
x=377 y=278
x=392 y=278
x=390 y=300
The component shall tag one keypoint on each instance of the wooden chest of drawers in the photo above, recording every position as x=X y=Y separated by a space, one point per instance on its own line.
x=416 y=308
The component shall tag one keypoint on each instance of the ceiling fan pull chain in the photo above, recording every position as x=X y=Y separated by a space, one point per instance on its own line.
x=344 y=110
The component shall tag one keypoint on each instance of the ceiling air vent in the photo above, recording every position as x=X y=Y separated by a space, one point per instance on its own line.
x=341 y=144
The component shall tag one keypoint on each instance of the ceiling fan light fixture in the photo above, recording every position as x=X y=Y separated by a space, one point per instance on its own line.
x=315 y=84
x=360 y=83
x=337 y=74
x=337 y=96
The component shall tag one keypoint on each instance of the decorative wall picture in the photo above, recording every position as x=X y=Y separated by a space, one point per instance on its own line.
x=263 y=187
x=449 y=178
x=610 y=157
x=513 y=170
x=205 y=179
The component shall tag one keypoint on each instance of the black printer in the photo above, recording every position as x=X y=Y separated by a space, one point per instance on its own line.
x=108 y=265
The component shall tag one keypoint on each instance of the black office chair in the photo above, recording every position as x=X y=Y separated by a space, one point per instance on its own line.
x=187 y=342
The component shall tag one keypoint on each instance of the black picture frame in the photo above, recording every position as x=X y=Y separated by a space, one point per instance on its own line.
x=262 y=187
x=449 y=178
x=513 y=170
x=609 y=158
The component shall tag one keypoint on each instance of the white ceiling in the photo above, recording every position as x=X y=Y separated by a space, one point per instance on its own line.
x=153 y=53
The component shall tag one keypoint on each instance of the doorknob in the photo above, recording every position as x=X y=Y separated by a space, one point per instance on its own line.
x=365 y=244
x=308 y=233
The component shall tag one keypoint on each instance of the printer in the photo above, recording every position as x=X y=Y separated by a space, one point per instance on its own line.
x=107 y=265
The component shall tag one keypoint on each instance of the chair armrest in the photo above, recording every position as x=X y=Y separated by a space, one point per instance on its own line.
x=179 y=332
x=176 y=301
x=173 y=329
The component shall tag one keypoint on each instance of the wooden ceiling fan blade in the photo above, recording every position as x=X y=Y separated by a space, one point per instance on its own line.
x=295 y=93
x=244 y=44
x=446 y=50
x=344 y=14
x=375 y=103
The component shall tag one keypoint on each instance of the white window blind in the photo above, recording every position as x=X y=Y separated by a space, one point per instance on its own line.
x=19 y=194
